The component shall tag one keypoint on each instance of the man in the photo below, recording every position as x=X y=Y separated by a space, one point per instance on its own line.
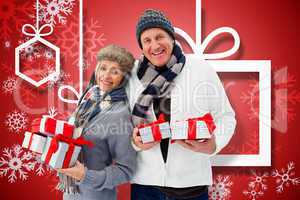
x=181 y=87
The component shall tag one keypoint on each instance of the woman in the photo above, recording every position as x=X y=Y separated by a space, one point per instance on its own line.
x=104 y=118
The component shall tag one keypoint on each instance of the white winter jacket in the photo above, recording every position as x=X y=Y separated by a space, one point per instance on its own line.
x=197 y=91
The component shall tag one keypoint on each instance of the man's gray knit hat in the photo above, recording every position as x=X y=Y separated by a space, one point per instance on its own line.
x=153 y=19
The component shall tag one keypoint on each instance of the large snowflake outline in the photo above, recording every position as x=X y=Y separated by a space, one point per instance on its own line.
x=248 y=146
x=55 y=11
x=94 y=39
x=259 y=179
x=285 y=177
x=68 y=37
x=16 y=121
x=16 y=161
x=220 y=190
x=9 y=85
x=285 y=96
x=13 y=16
x=253 y=192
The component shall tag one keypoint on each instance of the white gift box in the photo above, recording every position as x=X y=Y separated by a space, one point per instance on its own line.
x=57 y=158
x=34 y=142
x=180 y=130
x=147 y=134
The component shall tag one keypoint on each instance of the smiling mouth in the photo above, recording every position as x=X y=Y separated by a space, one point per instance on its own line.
x=107 y=83
x=158 y=53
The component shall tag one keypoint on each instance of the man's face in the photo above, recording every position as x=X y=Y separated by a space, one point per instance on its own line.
x=157 y=46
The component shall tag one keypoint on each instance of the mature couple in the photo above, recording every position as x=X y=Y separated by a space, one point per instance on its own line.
x=123 y=94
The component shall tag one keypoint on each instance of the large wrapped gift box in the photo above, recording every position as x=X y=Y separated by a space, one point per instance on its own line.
x=62 y=152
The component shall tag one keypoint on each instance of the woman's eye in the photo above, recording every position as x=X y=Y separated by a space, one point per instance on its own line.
x=116 y=72
x=102 y=68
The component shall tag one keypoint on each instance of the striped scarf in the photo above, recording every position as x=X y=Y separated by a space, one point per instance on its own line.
x=157 y=84
x=93 y=105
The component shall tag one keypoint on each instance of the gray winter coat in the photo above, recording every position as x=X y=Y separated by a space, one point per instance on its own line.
x=112 y=160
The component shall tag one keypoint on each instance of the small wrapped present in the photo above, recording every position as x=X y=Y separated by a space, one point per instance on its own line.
x=62 y=152
x=34 y=142
x=155 y=131
x=192 y=129
x=49 y=126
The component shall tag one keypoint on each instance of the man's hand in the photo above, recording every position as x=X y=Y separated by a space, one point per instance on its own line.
x=76 y=172
x=137 y=140
x=207 y=146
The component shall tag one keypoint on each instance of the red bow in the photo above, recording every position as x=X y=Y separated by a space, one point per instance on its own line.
x=155 y=127
x=207 y=118
x=72 y=142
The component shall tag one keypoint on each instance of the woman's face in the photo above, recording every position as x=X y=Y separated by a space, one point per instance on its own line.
x=109 y=75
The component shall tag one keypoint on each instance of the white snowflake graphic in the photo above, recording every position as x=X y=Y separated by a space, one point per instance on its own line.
x=55 y=11
x=259 y=180
x=16 y=121
x=253 y=192
x=48 y=54
x=285 y=177
x=31 y=51
x=9 y=85
x=56 y=80
x=40 y=167
x=220 y=190
x=16 y=163
x=52 y=112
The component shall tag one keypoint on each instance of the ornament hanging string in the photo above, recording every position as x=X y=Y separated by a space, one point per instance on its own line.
x=37 y=31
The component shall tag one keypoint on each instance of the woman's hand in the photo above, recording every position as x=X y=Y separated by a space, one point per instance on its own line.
x=137 y=140
x=207 y=146
x=77 y=172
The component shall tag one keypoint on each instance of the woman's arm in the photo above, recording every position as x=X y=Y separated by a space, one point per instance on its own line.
x=123 y=155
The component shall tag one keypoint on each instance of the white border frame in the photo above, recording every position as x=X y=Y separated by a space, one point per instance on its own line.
x=263 y=67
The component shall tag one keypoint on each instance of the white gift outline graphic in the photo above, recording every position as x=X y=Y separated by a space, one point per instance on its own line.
x=263 y=67
x=37 y=36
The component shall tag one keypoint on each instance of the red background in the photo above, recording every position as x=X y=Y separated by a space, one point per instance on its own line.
x=268 y=31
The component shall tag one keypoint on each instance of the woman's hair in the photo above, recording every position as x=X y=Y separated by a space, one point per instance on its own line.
x=117 y=54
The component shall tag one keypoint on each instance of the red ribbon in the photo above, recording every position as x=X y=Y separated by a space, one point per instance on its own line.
x=68 y=130
x=50 y=125
x=68 y=156
x=71 y=142
x=207 y=118
x=161 y=119
x=155 y=127
x=30 y=140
